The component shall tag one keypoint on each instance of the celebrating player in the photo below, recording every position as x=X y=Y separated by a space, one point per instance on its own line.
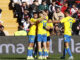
x=68 y=21
x=49 y=28
x=32 y=35
x=42 y=37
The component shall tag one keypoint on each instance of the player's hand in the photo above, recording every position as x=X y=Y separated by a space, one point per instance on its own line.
x=48 y=28
x=32 y=23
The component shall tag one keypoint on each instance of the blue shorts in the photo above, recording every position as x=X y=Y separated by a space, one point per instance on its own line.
x=31 y=38
x=42 y=38
x=67 y=38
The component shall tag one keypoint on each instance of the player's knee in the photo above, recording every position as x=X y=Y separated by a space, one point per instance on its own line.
x=48 y=44
x=31 y=44
x=66 y=45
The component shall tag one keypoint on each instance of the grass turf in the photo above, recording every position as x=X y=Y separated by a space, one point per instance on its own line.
x=51 y=57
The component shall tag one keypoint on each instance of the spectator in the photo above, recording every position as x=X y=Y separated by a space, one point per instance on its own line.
x=0 y=12
x=78 y=3
x=52 y=9
x=25 y=20
x=58 y=14
x=1 y=30
x=65 y=6
x=33 y=8
x=43 y=6
x=25 y=15
x=74 y=9
x=59 y=4
x=24 y=6
x=17 y=8
x=77 y=24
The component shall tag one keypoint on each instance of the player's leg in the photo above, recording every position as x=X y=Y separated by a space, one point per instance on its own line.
x=68 y=50
x=67 y=47
x=66 y=43
x=64 y=52
x=48 y=45
x=39 y=46
x=35 y=48
x=30 y=47
x=44 y=46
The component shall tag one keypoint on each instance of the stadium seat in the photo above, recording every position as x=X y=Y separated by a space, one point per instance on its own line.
x=9 y=22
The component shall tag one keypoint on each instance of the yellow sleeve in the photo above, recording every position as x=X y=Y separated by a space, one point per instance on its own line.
x=51 y=24
x=47 y=17
x=63 y=20
x=33 y=20
x=74 y=20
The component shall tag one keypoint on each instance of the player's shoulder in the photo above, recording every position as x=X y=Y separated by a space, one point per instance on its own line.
x=49 y=24
x=32 y=19
x=69 y=18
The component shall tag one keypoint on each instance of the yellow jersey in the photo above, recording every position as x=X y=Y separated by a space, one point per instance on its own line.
x=41 y=29
x=50 y=25
x=68 y=21
x=47 y=17
x=33 y=27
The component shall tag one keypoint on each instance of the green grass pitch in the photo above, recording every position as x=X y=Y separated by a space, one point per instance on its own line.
x=51 y=57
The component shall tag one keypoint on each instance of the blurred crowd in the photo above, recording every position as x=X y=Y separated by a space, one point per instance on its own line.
x=1 y=26
x=23 y=11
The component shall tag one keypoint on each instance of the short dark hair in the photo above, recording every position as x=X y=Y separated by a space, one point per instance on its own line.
x=67 y=11
x=35 y=13
x=44 y=1
x=40 y=12
x=46 y=10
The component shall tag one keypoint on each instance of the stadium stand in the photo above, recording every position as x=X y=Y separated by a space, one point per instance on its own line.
x=10 y=23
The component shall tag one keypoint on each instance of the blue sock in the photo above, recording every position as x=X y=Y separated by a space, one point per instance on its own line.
x=40 y=52
x=30 y=51
x=65 y=52
x=45 y=52
x=69 y=51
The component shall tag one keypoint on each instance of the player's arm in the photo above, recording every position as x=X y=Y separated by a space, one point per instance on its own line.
x=47 y=28
x=56 y=21
x=40 y=19
x=63 y=20
x=32 y=23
